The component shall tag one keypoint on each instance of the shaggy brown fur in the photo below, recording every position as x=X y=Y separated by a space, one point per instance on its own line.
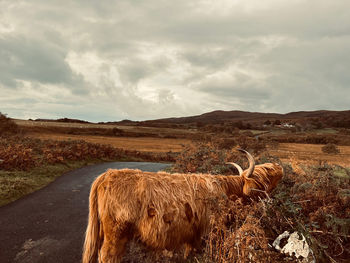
x=266 y=176
x=164 y=211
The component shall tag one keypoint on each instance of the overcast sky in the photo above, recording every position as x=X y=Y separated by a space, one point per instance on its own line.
x=113 y=60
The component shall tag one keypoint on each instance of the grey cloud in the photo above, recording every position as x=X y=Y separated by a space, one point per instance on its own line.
x=166 y=58
x=310 y=74
x=241 y=93
x=165 y=96
x=296 y=19
x=32 y=60
x=212 y=58
x=27 y=59
x=134 y=69
x=239 y=86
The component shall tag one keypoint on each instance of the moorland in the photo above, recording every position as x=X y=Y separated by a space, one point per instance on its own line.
x=313 y=147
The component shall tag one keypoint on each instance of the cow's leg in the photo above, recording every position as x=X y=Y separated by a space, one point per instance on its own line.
x=114 y=242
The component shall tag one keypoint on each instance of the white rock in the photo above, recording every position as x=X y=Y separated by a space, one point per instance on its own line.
x=295 y=246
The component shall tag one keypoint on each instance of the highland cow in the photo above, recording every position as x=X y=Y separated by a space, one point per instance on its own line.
x=162 y=210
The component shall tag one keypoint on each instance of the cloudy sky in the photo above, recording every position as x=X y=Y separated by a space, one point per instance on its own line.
x=112 y=60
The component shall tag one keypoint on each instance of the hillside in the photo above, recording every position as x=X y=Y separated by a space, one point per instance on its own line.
x=328 y=118
x=322 y=118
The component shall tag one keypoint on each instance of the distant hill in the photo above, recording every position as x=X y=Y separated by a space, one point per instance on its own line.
x=219 y=116
x=322 y=117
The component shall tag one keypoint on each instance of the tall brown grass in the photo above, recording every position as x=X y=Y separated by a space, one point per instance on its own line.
x=313 y=200
x=22 y=153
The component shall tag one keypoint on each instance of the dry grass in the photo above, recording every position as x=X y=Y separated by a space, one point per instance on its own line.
x=144 y=144
x=30 y=163
x=311 y=199
x=15 y=184
x=311 y=154
x=304 y=153
x=158 y=140
x=135 y=129
x=28 y=123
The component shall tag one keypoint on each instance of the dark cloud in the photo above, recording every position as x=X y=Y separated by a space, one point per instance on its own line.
x=101 y=60
x=30 y=60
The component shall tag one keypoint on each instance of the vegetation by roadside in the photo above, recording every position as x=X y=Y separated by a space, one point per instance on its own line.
x=313 y=200
x=28 y=164
x=15 y=184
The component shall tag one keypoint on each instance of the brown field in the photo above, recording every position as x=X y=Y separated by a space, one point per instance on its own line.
x=28 y=123
x=304 y=153
x=311 y=154
x=136 y=129
x=146 y=144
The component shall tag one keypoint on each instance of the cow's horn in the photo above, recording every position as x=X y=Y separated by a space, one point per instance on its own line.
x=251 y=163
x=239 y=168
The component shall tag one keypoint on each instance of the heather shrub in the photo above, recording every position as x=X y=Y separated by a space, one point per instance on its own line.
x=338 y=139
x=224 y=143
x=211 y=156
x=251 y=144
x=202 y=158
x=344 y=131
x=312 y=200
x=16 y=156
x=21 y=153
x=330 y=148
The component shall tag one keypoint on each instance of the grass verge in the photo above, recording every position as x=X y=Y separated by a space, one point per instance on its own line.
x=16 y=184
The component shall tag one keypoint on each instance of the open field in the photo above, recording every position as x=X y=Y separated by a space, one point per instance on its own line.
x=28 y=123
x=304 y=153
x=146 y=144
x=311 y=154
x=131 y=129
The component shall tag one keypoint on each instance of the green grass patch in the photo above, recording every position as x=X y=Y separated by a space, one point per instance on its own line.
x=16 y=184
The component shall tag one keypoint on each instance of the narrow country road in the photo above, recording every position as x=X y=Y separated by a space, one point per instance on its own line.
x=48 y=225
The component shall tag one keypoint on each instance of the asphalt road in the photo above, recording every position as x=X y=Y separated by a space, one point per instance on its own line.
x=49 y=225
